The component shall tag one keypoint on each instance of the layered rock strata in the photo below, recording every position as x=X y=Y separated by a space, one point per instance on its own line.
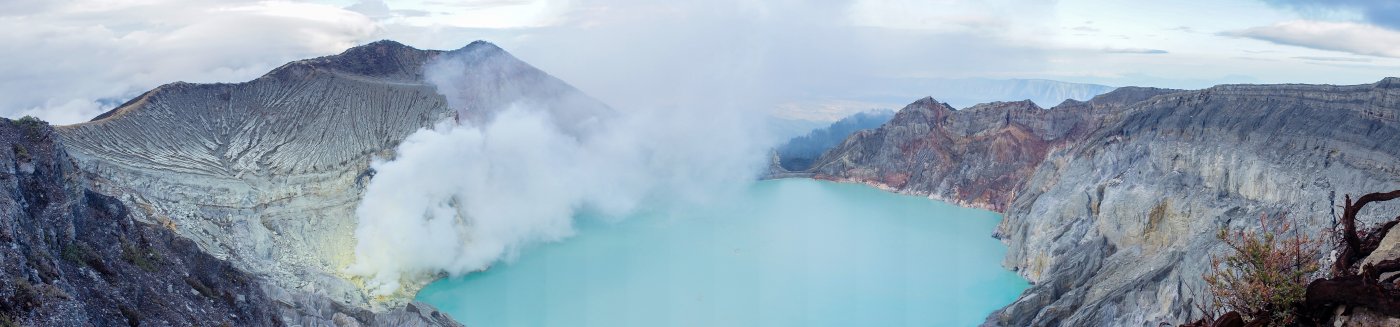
x=266 y=174
x=1112 y=205
x=76 y=257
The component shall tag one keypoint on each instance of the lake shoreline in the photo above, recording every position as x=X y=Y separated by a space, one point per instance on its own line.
x=902 y=238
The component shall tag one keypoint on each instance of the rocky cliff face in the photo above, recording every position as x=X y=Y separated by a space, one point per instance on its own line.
x=75 y=257
x=977 y=156
x=266 y=174
x=1111 y=205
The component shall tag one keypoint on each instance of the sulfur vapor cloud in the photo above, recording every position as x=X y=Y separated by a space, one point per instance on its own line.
x=525 y=155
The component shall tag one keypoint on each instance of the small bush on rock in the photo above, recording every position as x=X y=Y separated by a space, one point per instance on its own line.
x=1266 y=276
x=33 y=126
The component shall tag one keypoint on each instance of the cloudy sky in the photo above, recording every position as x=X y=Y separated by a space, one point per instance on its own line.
x=67 y=61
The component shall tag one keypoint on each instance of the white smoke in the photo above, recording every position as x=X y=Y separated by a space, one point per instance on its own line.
x=529 y=155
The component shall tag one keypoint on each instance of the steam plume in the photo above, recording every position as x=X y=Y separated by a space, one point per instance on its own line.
x=528 y=155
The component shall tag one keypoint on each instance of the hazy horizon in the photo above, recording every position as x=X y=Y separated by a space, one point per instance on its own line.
x=71 y=60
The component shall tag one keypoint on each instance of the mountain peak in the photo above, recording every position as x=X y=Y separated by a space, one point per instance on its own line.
x=927 y=102
x=383 y=58
x=1388 y=82
x=482 y=49
x=1020 y=105
x=481 y=44
x=926 y=109
x=375 y=49
x=382 y=43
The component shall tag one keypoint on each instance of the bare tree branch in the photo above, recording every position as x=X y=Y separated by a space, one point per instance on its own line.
x=1352 y=246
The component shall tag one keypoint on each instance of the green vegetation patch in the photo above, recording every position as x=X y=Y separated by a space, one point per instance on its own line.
x=76 y=253
x=33 y=126
x=141 y=257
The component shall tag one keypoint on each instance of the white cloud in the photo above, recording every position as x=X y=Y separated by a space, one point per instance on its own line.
x=1379 y=12
x=1022 y=20
x=1358 y=38
x=68 y=61
x=759 y=54
x=494 y=14
x=1334 y=59
x=1135 y=50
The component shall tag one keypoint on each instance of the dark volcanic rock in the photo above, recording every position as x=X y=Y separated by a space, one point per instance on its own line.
x=74 y=257
x=1112 y=205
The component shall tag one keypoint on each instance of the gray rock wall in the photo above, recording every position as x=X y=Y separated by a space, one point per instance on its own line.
x=976 y=157
x=75 y=257
x=266 y=174
x=1117 y=222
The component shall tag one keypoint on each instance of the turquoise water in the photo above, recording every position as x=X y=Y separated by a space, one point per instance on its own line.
x=793 y=252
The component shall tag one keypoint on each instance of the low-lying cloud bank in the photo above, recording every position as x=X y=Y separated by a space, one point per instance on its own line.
x=525 y=157
x=1357 y=38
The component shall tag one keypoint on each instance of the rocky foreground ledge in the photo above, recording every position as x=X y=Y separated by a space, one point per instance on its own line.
x=76 y=257
x=1112 y=205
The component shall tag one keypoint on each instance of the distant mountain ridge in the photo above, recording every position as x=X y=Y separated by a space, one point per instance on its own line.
x=963 y=93
x=799 y=152
x=893 y=93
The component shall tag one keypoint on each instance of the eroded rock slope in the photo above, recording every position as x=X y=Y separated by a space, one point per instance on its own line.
x=266 y=174
x=75 y=257
x=1111 y=206
x=977 y=156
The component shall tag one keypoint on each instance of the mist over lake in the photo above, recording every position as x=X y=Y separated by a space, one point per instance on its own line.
x=790 y=252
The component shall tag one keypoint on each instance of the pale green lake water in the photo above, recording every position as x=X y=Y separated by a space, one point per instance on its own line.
x=792 y=252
